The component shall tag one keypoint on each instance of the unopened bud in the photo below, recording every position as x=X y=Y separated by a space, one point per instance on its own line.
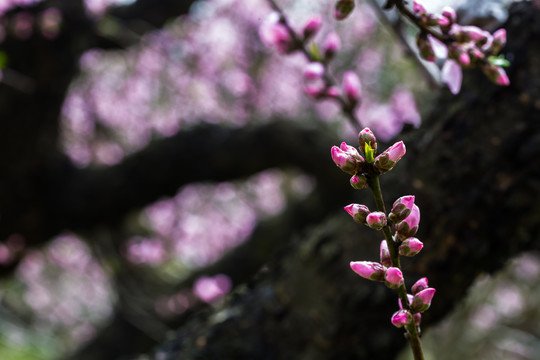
x=499 y=40
x=410 y=247
x=347 y=158
x=343 y=9
x=388 y=159
x=359 y=182
x=352 y=87
x=409 y=226
x=276 y=35
x=401 y=318
x=496 y=74
x=422 y=300
x=402 y=208
x=420 y=285
x=313 y=71
x=331 y=46
x=368 y=270
x=358 y=212
x=449 y=13
x=312 y=26
x=367 y=136
x=386 y=260
x=376 y=220
x=393 y=277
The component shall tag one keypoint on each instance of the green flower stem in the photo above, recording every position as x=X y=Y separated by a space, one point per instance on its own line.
x=414 y=339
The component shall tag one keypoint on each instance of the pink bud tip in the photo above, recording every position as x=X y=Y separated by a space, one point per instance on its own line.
x=394 y=276
x=385 y=254
x=352 y=87
x=502 y=78
x=426 y=295
x=368 y=270
x=358 y=212
x=312 y=26
x=464 y=59
x=410 y=247
x=331 y=45
x=396 y=151
x=314 y=71
x=418 y=7
x=443 y=21
x=449 y=13
x=500 y=35
x=400 y=318
x=420 y=285
x=376 y=220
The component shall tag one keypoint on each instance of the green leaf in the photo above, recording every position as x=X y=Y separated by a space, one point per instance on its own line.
x=499 y=61
x=315 y=52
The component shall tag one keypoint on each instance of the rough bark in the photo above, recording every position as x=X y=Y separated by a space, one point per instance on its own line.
x=473 y=168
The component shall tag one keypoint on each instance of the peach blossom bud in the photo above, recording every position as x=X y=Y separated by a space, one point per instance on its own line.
x=368 y=270
x=331 y=46
x=443 y=21
x=359 y=182
x=312 y=26
x=385 y=254
x=393 y=277
x=358 y=212
x=347 y=158
x=366 y=136
x=401 y=318
x=418 y=7
x=408 y=227
x=343 y=9
x=388 y=159
x=332 y=92
x=313 y=71
x=275 y=35
x=420 y=285
x=449 y=13
x=422 y=300
x=352 y=87
x=376 y=220
x=402 y=208
x=410 y=247
x=499 y=40
x=464 y=59
x=496 y=74
x=424 y=47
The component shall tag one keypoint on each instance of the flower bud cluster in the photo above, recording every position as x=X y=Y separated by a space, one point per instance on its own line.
x=350 y=159
x=459 y=46
x=403 y=218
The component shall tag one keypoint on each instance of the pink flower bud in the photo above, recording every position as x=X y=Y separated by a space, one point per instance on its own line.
x=376 y=220
x=331 y=46
x=358 y=212
x=402 y=208
x=410 y=247
x=332 y=92
x=389 y=157
x=418 y=7
x=312 y=26
x=347 y=158
x=424 y=47
x=368 y=270
x=499 y=40
x=444 y=22
x=343 y=9
x=359 y=182
x=408 y=227
x=352 y=87
x=464 y=59
x=367 y=136
x=275 y=35
x=475 y=34
x=451 y=75
x=315 y=90
x=422 y=300
x=417 y=319
x=313 y=71
x=496 y=74
x=401 y=318
x=385 y=254
x=393 y=277
x=449 y=13
x=419 y=285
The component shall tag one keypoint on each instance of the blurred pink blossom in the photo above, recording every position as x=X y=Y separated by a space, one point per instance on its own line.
x=210 y=289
